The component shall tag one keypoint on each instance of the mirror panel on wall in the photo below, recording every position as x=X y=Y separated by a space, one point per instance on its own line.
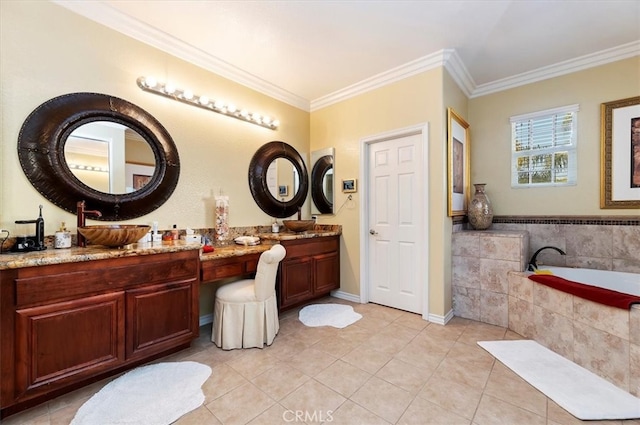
x=322 y=181
x=109 y=157
x=283 y=179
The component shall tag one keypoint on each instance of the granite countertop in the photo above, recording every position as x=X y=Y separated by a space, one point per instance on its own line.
x=16 y=260
x=231 y=249
x=51 y=256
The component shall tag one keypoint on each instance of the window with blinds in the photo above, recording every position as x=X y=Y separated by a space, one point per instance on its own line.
x=543 y=148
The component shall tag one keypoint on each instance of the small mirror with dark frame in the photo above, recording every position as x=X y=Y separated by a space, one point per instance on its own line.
x=41 y=151
x=322 y=181
x=263 y=187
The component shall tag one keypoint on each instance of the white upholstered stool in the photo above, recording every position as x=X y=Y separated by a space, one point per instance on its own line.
x=245 y=313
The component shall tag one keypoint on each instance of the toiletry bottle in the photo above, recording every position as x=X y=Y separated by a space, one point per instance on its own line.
x=275 y=227
x=156 y=237
x=175 y=234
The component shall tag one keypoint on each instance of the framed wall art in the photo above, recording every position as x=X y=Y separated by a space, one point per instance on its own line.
x=349 y=186
x=458 y=170
x=620 y=154
x=140 y=181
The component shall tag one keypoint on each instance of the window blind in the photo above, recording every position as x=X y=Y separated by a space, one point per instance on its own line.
x=544 y=146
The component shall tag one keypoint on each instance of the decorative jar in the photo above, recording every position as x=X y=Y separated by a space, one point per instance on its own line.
x=480 y=211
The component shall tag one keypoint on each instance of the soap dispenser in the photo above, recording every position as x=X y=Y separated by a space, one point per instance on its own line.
x=62 y=237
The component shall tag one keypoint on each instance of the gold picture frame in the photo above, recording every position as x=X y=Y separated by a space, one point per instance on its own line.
x=458 y=169
x=620 y=154
x=349 y=186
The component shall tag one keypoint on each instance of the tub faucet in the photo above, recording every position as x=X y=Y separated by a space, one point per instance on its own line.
x=82 y=215
x=533 y=265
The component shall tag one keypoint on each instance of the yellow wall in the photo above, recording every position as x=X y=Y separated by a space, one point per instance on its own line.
x=413 y=101
x=48 y=51
x=491 y=139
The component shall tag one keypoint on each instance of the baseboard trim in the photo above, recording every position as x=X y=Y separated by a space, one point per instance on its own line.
x=441 y=320
x=346 y=296
x=433 y=318
x=206 y=319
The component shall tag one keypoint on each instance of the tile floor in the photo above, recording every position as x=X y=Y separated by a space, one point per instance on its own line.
x=390 y=367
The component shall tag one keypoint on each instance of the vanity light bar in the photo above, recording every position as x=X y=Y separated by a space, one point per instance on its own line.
x=151 y=85
x=88 y=168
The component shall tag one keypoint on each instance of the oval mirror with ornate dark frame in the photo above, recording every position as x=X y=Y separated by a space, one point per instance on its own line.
x=319 y=193
x=258 y=179
x=41 y=152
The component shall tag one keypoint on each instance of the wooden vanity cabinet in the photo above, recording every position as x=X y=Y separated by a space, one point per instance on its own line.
x=310 y=270
x=67 y=325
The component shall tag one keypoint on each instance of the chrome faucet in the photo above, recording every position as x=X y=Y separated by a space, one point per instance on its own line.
x=82 y=215
x=533 y=265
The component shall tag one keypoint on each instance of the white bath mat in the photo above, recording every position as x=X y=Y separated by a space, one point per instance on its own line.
x=157 y=394
x=336 y=315
x=577 y=390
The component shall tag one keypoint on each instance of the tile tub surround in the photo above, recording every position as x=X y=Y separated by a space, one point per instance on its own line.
x=605 y=243
x=602 y=339
x=480 y=263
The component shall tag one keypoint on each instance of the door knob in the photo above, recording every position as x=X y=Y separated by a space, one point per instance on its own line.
x=373 y=232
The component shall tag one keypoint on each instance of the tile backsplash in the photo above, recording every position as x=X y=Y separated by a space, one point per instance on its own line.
x=605 y=243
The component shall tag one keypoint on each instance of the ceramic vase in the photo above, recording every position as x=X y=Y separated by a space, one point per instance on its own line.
x=480 y=212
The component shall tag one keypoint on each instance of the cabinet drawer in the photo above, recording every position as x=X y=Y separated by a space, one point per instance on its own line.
x=67 y=281
x=229 y=267
x=310 y=247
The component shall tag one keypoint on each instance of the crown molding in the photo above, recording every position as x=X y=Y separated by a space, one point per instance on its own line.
x=106 y=15
x=562 y=68
x=382 y=79
x=459 y=72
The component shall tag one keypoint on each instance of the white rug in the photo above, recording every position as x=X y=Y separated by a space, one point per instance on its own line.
x=336 y=315
x=157 y=394
x=579 y=391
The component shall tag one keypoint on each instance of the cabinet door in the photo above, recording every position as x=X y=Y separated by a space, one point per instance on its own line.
x=327 y=273
x=64 y=342
x=296 y=281
x=160 y=317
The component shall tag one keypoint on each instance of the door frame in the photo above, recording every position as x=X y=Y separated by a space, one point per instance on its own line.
x=365 y=145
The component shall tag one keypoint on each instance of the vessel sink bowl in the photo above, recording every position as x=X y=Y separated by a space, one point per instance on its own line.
x=298 y=225
x=114 y=235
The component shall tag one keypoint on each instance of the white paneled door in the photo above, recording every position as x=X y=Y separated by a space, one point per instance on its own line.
x=397 y=272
